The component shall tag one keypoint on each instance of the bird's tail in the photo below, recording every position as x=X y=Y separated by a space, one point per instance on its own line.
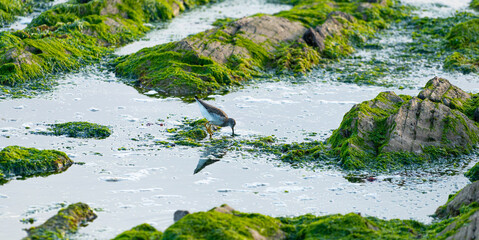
x=196 y=97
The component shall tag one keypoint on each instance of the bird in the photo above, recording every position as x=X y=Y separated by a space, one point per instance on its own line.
x=215 y=116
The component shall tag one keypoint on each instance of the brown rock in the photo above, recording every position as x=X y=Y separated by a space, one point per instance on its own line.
x=442 y=91
x=316 y=37
x=265 y=30
x=421 y=123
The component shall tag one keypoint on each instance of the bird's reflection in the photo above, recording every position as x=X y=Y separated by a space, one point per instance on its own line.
x=210 y=155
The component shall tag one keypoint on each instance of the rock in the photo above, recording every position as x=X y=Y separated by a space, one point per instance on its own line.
x=476 y=115
x=66 y=221
x=391 y=130
x=26 y=162
x=467 y=231
x=225 y=208
x=441 y=90
x=265 y=30
x=316 y=37
x=423 y=123
x=179 y=214
x=473 y=173
x=464 y=197
x=141 y=232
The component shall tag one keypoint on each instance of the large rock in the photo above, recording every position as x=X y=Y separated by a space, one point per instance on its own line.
x=236 y=38
x=27 y=162
x=393 y=130
x=465 y=197
x=316 y=37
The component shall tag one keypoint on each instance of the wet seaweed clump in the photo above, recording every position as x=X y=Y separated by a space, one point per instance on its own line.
x=452 y=40
x=189 y=132
x=78 y=130
x=143 y=231
x=28 y=162
x=312 y=32
x=64 y=223
x=78 y=33
x=226 y=223
x=473 y=173
x=391 y=131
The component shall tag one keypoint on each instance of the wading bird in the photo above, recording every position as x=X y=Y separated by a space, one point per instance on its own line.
x=215 y=116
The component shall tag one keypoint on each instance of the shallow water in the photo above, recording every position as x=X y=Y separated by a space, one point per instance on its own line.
x=130 y=182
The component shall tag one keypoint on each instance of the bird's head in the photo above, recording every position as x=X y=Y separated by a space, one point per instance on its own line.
x=232 y=124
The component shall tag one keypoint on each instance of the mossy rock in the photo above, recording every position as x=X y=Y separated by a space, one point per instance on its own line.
x=78 y=33
x=27 y=162
x=9 y=10
x=220 y=58
x=65 y=222
x=78 y=130
x=473 y=173
x=141 y=232
x=391 y=131
x=224 y=223
x=474 y=5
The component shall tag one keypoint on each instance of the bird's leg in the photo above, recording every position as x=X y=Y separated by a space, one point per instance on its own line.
x=208 y=129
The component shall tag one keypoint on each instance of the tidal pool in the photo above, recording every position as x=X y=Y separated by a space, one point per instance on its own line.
x=128 y=179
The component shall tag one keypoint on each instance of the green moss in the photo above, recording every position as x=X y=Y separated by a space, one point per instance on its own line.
x=186 y=68
x=462 y=63
x=296 y=57
x=175 y=72
x=78 y=33
x=473 y=173
x=219 y=225
x=141 y=232
x=10 y=9
x=66 y=221
x=27 y=162
x=78 y=130
x=189 y=132
x=464 y=35
x=474 y=4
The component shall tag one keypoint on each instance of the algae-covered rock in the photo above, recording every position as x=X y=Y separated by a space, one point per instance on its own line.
x=78 y=130
x=474 y=4
x=141 y=232
x=225 y=223
x=468 y=195
x=65 y=222
x=26 y=162
x=473 y=173
x=248 y=47
x=77 y=33
x=12 y=8
x=391 y=131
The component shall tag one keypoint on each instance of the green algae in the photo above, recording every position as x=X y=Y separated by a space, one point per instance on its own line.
x=174 y=72
x=226 y=223
x=452 y=40
x=188 y=133
x=77 y=33
x=64 y=223
x=223 y=225
x=474 y=4
x=182 y=69
x=78 y=130
x=473 y=173
x=141 y=232
x=28 y=162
